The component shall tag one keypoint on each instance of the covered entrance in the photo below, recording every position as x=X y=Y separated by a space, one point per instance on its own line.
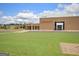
x=59 y=25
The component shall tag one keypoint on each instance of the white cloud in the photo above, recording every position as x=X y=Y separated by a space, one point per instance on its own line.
x=26 y=14
x=72 y=8
x=21 y=17
x=27 y=17
x=7 y=20
x=61 y=10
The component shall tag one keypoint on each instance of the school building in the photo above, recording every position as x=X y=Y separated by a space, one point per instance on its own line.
x=56 y=23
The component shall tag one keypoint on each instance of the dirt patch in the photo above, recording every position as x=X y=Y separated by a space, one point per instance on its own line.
x=69 y=48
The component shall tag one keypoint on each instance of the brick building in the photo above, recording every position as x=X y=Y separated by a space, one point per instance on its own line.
x=60 y=23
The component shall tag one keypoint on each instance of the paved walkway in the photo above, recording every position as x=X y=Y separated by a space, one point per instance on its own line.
x=39 y=30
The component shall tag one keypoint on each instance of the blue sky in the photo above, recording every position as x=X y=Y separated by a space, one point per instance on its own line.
x=14 y=8
x=32 y=12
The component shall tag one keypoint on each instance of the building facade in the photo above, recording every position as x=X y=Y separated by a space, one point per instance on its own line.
x=60 y=23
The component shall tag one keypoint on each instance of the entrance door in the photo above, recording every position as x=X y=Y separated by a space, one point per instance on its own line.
x=59 y=25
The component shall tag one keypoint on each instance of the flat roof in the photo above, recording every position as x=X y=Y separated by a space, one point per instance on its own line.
x=60 y=17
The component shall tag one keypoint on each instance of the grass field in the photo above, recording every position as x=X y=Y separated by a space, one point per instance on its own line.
x=36 y=43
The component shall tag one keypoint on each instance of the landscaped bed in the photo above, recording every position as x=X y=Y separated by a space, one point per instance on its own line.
x=36 y=43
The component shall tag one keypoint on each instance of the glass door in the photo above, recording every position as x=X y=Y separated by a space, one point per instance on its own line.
x=59 y=25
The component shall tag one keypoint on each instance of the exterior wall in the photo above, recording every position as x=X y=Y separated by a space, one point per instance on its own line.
x=32 y=26
x=46 y=24
x=70 y=23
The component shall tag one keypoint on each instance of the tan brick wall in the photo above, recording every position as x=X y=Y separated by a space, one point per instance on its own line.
x=71 y=23
x=46 y=24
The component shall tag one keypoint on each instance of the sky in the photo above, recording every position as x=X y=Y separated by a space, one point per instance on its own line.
x=32 y=12
x=12 y=9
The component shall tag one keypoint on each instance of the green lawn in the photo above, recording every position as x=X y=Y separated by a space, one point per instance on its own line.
x=36 y=43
